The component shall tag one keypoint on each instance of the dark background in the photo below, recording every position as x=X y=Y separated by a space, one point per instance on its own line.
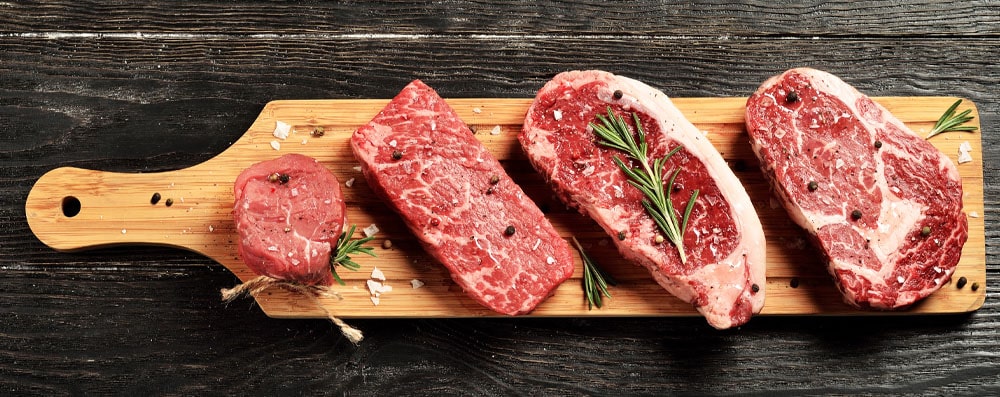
x=142 y=88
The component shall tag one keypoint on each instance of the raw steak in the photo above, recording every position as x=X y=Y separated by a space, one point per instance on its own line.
x=460 y=204
x=289 y=213
x=724 y=273
x=864 y=186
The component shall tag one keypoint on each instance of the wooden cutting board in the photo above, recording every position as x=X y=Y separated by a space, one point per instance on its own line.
x=115 y=209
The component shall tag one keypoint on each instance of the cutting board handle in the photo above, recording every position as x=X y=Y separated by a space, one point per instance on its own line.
x=72 y=209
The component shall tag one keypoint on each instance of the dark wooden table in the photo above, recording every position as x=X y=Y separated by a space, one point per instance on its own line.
x=143 y=88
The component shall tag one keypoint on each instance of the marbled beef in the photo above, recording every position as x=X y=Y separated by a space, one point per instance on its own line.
x=724 y=273
x=881 y=203
x=289 y=213
x=459 y=202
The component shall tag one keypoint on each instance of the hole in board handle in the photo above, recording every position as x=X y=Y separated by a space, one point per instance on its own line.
x=70 y=206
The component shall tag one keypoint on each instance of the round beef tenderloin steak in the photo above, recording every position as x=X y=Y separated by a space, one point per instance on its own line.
x=723 y=276
x=289 y=213
x=458 y=201
x=864 y=186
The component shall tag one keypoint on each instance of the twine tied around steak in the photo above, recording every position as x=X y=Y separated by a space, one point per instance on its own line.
x=260 y=283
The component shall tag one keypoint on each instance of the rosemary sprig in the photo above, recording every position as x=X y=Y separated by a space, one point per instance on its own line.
x=595 y=280
x=950 y=121
x=345 y=248
x=614 y=133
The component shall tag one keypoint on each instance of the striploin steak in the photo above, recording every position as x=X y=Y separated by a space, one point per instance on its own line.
x=460 y=203
x=882 y=204
x=723 y=276
x=289 y=213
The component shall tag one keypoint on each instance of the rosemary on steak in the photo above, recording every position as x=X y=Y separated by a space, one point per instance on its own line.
x=595 y=280
x=950 y=121
x=614 y=133
x=347 y=247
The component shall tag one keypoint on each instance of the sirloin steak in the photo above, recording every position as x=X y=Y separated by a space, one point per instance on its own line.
x=724 y=273
x=460 y=203
x=289 y=213
x=882 y=204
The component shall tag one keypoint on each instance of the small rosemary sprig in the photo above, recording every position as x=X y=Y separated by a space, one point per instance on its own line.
x=345 y=248
x=595 y=280
x=950 y=121
x=614 y=133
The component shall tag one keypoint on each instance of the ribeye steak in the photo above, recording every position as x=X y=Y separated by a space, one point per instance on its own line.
x=881 y=203
x=724 y=273
x=460 y=203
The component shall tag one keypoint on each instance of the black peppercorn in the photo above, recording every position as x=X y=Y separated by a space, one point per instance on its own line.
x=621 y=236
x=509 y=231
x=975 y=286
x=755 y=288
x=617 y=95
x=961 y=282
x=878 y=144
x=495 y=179
x=925 y=231
x=396 y=155
x=856 y=214
x=155 y=199
x=813 y=186
x=792 y=97
x=284 y=178
x=794 y=282
x=169 y=202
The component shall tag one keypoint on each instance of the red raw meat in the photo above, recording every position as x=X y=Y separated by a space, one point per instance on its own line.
x=460 y=204
x=875 y=187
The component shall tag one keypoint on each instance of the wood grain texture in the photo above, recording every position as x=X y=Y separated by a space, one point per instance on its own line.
x=116 y=209
x=79 y=87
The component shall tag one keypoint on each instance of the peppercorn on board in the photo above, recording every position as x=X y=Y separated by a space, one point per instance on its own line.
x=73 y=209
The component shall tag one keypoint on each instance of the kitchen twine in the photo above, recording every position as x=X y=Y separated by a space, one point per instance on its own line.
x=313 y=292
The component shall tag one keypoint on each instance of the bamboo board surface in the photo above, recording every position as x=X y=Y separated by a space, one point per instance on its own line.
x=115 y=209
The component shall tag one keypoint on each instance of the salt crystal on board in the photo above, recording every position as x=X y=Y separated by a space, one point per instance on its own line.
x=275 y=145
x=281 y=129
x=416 y=283
x=377 y=274
x=963 y=153
x=495 y=130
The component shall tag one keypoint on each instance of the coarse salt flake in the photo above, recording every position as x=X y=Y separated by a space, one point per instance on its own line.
x=974 y=214
x=377 y=274
x=124 y=231
x=211 y=228
x=305 y=141
x=370 y=230
x=349 y=182
x=900 y=279
x=356 y=168
x=281 y=129
x=477 y=110
x=963 y=153
x=375 y=300
x=416 y=283
x=373 y=286
x=495 y=130
x=392 y=143
x=275 y=145
x=550 y=260
x=557 y=114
